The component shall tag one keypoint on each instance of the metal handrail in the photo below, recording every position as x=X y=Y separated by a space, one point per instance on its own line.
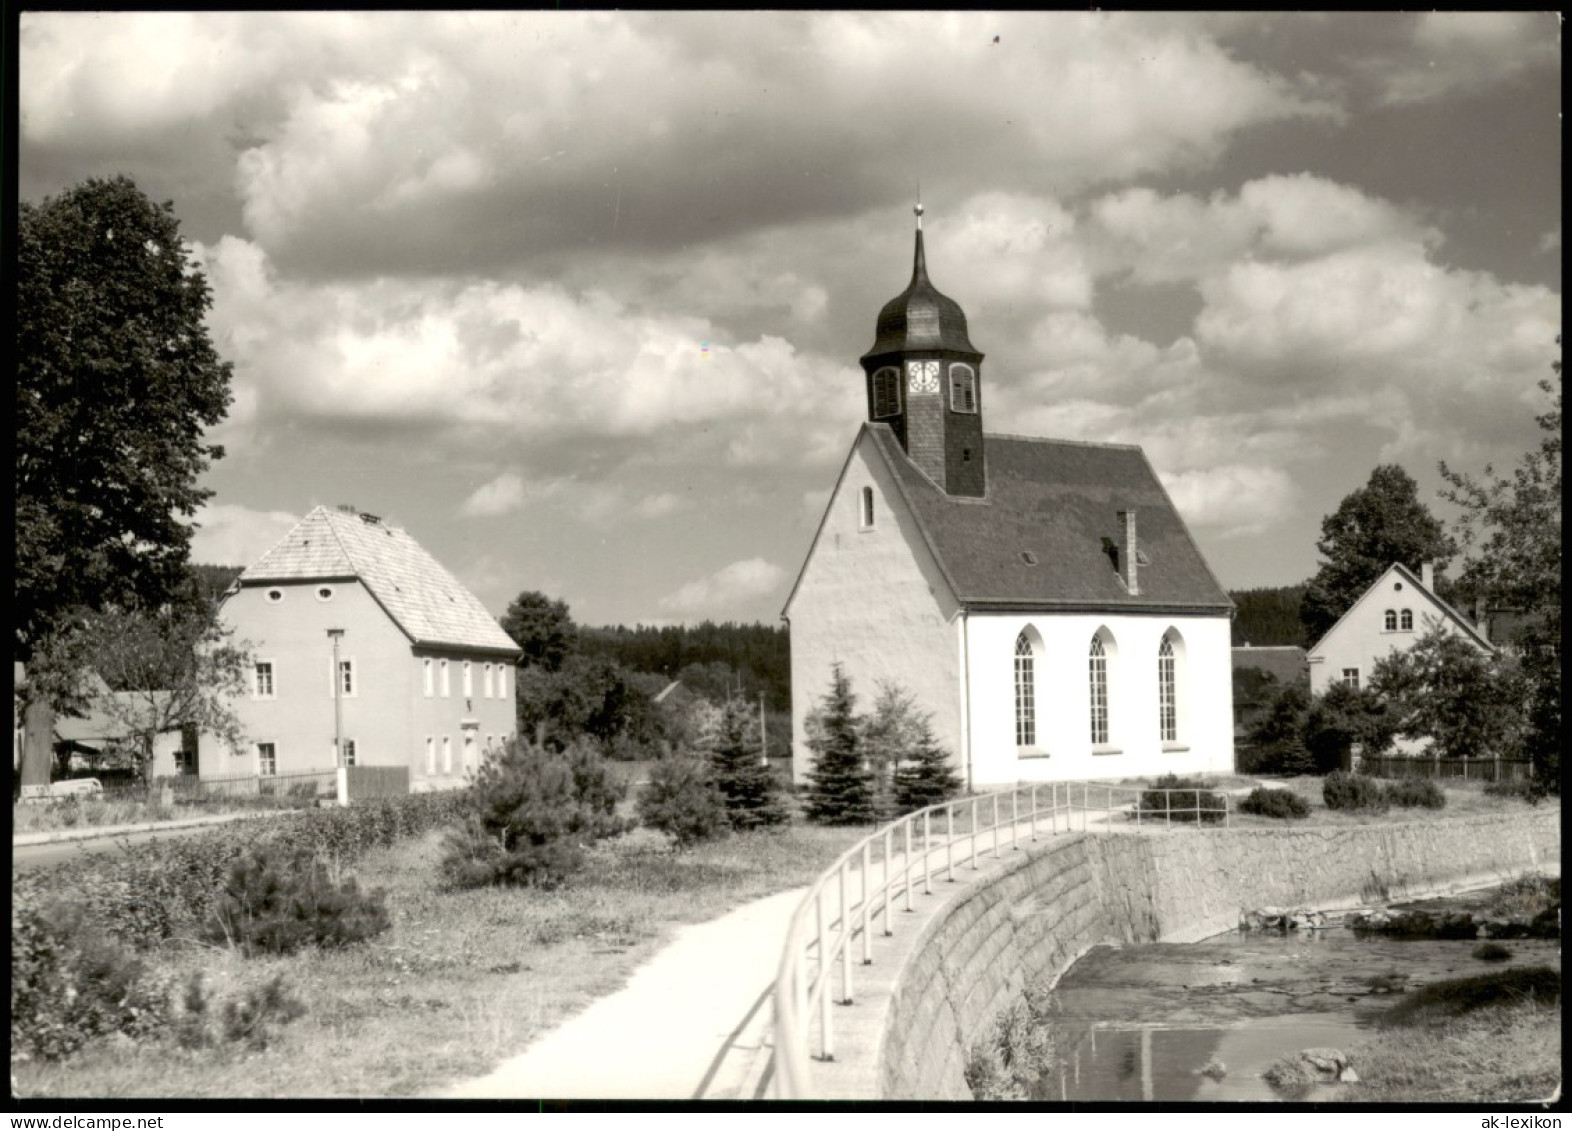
x=797 y=996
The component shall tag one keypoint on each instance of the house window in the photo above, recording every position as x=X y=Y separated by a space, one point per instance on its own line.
x=485 y=683
x=867 y=508
x=346 y=684
x=502 y=682
x=469 y=752
x=1025 y=693
x=431 y=755
x=1408 y=620
x=886 y=393
x=349 y=751
x=963 y=388
x=262 y=685
x=1391 y=620
x=1098 y=673
x=469 y=681
x=427 y=678
x=1167 y=700
x=267 y=759
x=447 y=688
x=1351 y=678
x=447 y=754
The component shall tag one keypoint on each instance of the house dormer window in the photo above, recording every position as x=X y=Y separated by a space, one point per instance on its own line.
x=886 y=393
x=1408 y=620
x=963 y=388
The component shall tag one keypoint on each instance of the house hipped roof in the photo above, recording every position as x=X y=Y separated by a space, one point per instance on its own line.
x=1058 y=500
x=427 y=602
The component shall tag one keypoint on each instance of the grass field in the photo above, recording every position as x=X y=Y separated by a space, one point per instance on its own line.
x=463 y=980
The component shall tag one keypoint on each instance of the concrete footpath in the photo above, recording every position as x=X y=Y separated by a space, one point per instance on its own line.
x=692 y=1023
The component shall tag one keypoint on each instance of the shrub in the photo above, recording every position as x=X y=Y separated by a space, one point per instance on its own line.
x=277 y=901
x=71 y=983
x=530 y=811
x=1523 y=790
x=1173 y=798
x=748 y=788
x=1491 y=952
x=1266 y=802
x=247 y=1019
x=1353 y=791
x=682 y=801
x=1415 y=793
x=1457 y=996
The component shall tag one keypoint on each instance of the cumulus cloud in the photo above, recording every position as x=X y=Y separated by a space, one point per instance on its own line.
x=229 y=534
x=724 y=589
x=503 y=494
x=1232 y=500
x=1467 y=51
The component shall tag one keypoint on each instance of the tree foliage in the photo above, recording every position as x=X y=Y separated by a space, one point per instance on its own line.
x=1266 y=617
x=839 y=785
x=681 y=799
x=924 y=775
x=714 y=660
x=1511 y=531
x=1445 y=690
x=542 y=627
x=1381 y=523
x=1341 y=716
x=887 y=734
x=1275 y=742
x=117 y=381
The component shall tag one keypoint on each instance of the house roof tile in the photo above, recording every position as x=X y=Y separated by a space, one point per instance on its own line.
x=427 y=602
x=1057 y=500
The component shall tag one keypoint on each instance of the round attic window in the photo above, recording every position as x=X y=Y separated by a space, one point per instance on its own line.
x=325 y=593
x=1398 y=586
x=274 y=596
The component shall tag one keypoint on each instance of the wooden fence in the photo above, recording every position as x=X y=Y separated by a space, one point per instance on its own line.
x=1469 y=769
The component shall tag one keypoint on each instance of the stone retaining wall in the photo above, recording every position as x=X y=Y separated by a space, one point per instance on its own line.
x=1060 y=899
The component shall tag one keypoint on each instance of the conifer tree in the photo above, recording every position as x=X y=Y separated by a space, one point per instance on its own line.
x=924 y=776
x=840 y=787
x=753 y=798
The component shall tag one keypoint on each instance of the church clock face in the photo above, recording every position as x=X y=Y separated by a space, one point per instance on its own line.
x=923 y=376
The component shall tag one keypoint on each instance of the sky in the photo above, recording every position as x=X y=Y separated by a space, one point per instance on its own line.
x=578 y=298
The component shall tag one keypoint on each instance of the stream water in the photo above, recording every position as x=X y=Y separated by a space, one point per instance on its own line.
x=1140 y=1023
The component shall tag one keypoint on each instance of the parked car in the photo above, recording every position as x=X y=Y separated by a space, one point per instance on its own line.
x=60 y=790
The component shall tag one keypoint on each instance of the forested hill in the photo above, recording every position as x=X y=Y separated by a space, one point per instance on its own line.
x=1268 y=616
x=701 y=654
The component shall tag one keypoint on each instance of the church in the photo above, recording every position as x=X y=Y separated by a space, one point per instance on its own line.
x=1041 y=599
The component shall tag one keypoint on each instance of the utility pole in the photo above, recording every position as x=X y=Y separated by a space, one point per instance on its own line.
x=341 y=772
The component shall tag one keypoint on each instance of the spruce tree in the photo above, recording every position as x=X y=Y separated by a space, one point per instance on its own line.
x=752 y=796
x=840 y=787
x=925 y=777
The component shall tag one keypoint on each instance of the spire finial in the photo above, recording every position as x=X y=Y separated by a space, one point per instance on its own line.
x=918 y=210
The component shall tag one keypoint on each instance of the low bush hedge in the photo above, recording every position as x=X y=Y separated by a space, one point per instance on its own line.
x=279 y=900
x=1173 y=798
x=1353 y=791
x=1528 y=791
x=1264 y=802
x=1415 y=793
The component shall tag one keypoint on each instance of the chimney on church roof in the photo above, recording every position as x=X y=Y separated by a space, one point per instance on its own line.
x=1427 y=576
x=1127 y=553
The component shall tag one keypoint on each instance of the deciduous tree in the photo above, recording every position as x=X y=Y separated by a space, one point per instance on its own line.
x=542 y=627
x=1381 y=523
x=1445 y=689
x=117 y=383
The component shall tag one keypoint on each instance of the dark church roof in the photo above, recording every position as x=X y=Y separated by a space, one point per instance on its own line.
x=920 y=318
x=1057 y=501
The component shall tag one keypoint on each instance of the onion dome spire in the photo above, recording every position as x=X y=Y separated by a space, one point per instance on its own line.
x=920 y=317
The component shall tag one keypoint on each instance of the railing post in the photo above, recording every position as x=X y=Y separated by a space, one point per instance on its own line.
x=906 y=832
x=996 y=825
x=1034 y=811
x=973 y=834
x=1015 y=818
x=889 y=844
x=846 y=974
x=867 y=935
x=949 y=842
x=826 y=1039
x=927 y=849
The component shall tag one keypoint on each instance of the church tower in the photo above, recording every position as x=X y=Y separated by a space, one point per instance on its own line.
x=925 y=381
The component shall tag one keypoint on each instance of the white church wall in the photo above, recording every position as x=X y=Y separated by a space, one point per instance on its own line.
x=1064 y=749
x=873 y=600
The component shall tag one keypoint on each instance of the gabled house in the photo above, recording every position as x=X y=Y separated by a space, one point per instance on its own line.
x=1388 y=617
x=1041 y=598
x=425 y=675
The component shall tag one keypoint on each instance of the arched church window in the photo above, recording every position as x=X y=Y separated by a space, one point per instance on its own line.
x=867 y=508
x=1391 y=620
x=1408 y=620
x=1167 y=692
x=963 y=388
x=886 y=393
x=1097 y=664
x=1025 y=693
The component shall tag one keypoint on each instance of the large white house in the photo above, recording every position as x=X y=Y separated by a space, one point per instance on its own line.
x=1041 y=598
x=1388 y=617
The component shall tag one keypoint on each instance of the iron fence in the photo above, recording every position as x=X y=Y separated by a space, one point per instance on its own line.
x=839 y=912
x=1468 y=769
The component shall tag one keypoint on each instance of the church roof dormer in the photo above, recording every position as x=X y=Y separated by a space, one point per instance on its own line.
x=920 y=318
